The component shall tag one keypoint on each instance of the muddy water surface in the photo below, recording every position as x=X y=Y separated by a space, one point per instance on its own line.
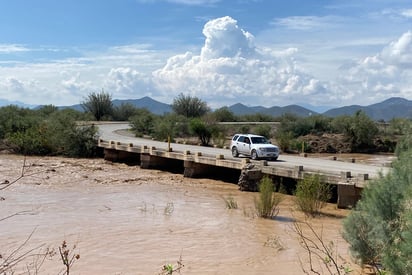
x=125 y=220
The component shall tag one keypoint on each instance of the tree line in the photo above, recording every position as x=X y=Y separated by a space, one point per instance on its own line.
x=192 y=116
x=49 y=130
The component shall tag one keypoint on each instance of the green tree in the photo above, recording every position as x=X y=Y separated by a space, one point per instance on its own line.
x=189 y=106
x=31 y=141
x=124 y=111
x=47 y=110
x=405 y=143
x=359 y=130
x=263 y=130
x=224 y=115
x=16 y=119
x=399 y=126
x=284 y=140
x=202 y=130
x=99 y=104
x=258 y=117
x=142 y=123
x=379 y=228
x=66 y=137
x=170 y=126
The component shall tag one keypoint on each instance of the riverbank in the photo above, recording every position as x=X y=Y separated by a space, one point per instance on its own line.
x=126 y=220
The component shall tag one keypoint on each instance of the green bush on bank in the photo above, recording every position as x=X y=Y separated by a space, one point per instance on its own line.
x=379 y=229
x=312 y=194
x=267 y=205
x=47 y=131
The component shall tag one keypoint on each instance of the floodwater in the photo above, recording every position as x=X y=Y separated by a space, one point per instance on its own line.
x=126 y=220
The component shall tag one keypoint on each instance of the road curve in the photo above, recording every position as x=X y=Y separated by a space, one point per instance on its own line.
x=107 y=131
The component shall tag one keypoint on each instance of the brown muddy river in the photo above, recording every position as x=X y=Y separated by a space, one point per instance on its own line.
x=126 y=220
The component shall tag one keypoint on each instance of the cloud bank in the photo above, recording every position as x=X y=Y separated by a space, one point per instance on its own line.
x=229 y=67
x=386 y=74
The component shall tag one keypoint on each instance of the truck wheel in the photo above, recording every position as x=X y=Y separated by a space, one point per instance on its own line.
x=235 y=153
x=254 y=155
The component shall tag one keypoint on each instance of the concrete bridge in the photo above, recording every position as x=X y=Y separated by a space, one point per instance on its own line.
x=197 y=161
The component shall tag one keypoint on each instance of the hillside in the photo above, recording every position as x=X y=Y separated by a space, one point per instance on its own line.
x=395 y=107
x=386 y=110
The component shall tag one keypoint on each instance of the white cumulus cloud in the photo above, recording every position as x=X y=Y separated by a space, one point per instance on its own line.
x=12 y=48
x=386 y=74
x=230 y=68
x=126 y=83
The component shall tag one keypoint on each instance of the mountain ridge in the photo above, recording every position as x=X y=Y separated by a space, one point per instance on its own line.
x=394 y=107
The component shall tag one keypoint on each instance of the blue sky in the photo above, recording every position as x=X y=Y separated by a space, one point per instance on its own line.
x=257 y=52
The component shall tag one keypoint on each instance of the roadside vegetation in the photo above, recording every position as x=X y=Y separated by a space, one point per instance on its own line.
x=379 y=229
x=49 y=130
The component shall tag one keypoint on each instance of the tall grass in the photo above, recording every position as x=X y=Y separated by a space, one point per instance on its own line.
x=230 y=203
x=312 y=194
x=267 y=205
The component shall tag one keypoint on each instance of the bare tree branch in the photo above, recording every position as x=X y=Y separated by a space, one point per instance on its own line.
x=317 y=248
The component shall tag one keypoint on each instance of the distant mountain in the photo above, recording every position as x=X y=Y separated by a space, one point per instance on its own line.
x=395 y=107
x=77 y=107
x=5 y=102
x=346 y=110
x=150 y=104
x=240 y=109
x=290 y=109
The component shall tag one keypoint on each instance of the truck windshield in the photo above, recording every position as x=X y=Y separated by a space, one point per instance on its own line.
x=259 y=140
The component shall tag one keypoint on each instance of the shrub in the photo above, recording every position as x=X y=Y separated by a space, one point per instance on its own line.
x=267 y=206
x=201 y=130
x=14 y=119
x=142 y=123
x=359 y=130
x=69 y=139
x=263 y=130
x=284 y=140
x=219 y=136
x=32 y=141
x=80 y=141
x=312 y=194
x=49 y=131
x=379 y=228
x=223 y=115
x=170 y=125
x=124 y=111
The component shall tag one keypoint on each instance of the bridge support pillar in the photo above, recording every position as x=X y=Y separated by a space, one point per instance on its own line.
x=194 y=169
x=148 y=161
x=120 y=156
x=348 y=195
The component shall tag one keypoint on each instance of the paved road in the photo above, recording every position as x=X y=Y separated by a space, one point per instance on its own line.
x=108 y=132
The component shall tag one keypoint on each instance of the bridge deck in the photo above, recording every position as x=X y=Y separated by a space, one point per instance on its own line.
x=276 y=168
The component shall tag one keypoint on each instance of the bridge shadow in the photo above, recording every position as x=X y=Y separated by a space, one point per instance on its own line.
x=271 y=161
